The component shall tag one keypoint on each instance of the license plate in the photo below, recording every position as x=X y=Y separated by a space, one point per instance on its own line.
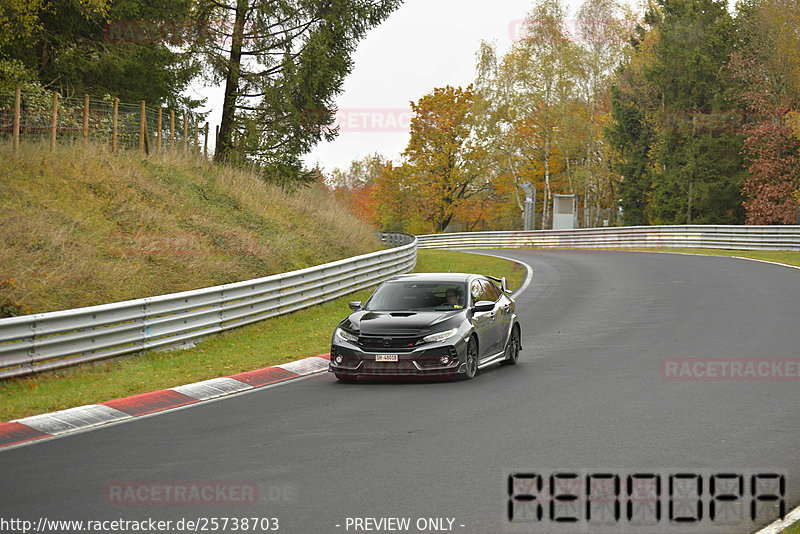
x=386 y=357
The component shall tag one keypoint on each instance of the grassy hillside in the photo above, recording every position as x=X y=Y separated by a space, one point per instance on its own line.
x=83 y=227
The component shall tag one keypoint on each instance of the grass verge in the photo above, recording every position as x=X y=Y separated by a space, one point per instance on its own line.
x=271 y=342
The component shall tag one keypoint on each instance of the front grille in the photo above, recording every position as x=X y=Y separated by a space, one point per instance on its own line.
x=388 y=368
x=377 y=343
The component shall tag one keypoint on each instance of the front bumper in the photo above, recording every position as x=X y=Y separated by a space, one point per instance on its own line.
x=425 y=360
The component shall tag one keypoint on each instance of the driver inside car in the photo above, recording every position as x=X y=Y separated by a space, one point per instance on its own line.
x=452 y=298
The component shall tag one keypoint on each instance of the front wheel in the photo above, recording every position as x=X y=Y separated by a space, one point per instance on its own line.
x=512 y=348
x=471 y=367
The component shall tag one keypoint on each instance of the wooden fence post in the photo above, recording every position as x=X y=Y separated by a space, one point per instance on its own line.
x=196 y=148
x=85 y=119
x=146 y=134
x=54 y=122
x=114 y=126
x=172 y=132
x=17 y=105
x=141 y=129
x=158 y=133
x=185 y=134
x=205 y=142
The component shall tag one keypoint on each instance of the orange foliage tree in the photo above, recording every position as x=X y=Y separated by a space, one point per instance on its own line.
x=394 y=200
x=444 y=157
x=355 y=187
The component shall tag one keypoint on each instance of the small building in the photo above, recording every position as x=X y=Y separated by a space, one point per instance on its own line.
x=565 y=212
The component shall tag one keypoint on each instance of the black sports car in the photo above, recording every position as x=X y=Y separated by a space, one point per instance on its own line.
x=434 y=324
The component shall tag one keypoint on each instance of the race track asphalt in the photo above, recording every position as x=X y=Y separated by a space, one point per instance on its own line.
x=589 y=396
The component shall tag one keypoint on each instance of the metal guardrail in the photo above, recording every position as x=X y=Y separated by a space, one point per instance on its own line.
x=689 y=236
x=53 y=340
x=396 y=240
x=47 y=341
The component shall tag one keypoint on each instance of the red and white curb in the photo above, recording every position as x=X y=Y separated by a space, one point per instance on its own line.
x=81 y=418
x=778 y=526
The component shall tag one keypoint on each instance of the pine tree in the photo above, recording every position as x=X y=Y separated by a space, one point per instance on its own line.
x=698 y=173
x=283 y=62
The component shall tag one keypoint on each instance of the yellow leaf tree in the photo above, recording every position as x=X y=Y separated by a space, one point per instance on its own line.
x=445 y=154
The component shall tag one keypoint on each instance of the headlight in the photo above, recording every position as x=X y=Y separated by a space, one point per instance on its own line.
x=346 y=336
x=441 y=336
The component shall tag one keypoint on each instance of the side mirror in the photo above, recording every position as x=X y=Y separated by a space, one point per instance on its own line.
x=355 y=305
x=483 y=306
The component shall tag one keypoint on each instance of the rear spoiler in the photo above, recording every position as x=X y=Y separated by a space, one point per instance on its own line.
x=501 y=281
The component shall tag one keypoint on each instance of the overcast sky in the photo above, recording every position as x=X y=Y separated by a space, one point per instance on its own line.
x=422 y=45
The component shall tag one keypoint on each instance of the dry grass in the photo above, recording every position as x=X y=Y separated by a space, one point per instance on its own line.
x=83 y=226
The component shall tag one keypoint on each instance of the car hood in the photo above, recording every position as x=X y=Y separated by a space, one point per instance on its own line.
x=408 y=323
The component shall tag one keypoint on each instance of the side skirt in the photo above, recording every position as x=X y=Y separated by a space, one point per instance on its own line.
x=492 y=359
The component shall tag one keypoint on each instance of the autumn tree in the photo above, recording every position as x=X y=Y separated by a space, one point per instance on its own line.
x=355 y=186
x=20 y=21
x=604 y=29
x=445 y=153
x=548 y=101
x=500 y=165
x=533 y=78
x=767 y=68
x=397 y=200
x=771 y=151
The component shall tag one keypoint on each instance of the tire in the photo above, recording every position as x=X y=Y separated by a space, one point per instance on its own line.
x=472 y=359
x=512 y=348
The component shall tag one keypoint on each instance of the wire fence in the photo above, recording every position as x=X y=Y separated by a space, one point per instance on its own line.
x=36 y=116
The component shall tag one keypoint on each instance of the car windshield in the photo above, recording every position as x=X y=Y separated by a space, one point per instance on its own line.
x=417 y=296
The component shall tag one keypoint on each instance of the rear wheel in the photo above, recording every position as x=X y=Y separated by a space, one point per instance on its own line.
x=512 y=347
x=472 y=359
